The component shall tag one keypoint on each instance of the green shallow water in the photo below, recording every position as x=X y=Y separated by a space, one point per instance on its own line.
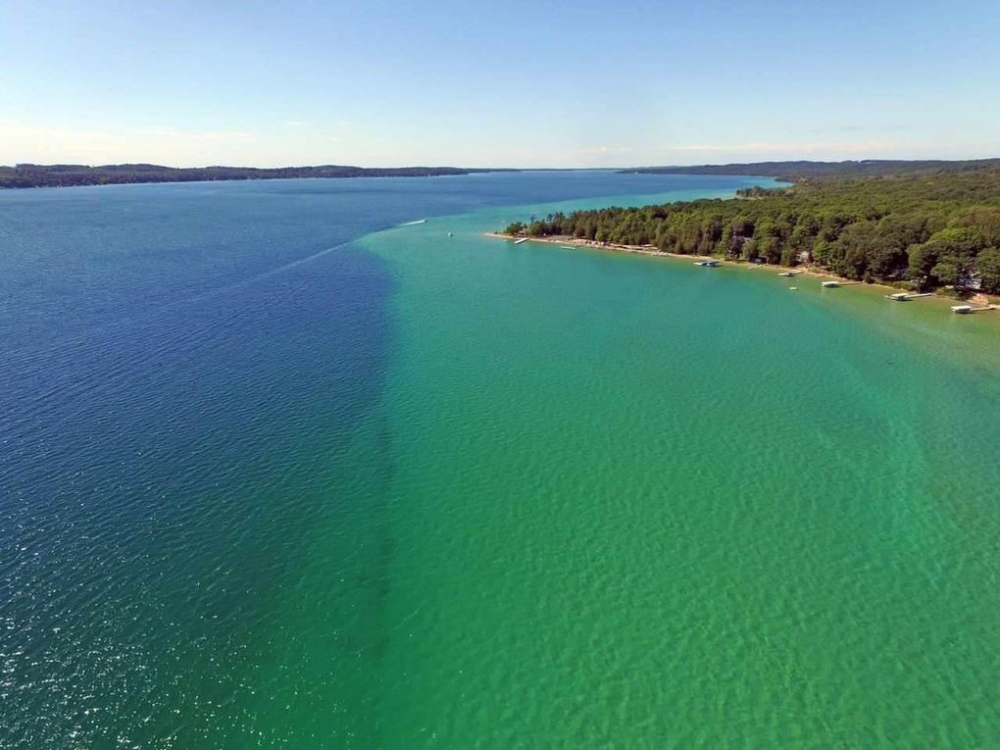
x=635 y=503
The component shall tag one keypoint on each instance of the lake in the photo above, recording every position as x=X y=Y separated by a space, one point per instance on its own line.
x=280 y=469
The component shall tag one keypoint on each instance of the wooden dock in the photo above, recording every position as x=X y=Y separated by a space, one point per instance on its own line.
x=906 y=296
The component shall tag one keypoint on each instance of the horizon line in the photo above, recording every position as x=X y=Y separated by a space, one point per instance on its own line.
x=19 y=165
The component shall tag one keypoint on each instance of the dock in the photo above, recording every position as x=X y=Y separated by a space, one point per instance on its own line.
x=906 y=296
x=968 y=309
x=834 y=283
x=518 y=242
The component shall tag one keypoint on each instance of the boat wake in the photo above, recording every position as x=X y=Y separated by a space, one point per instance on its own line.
x=260 y=276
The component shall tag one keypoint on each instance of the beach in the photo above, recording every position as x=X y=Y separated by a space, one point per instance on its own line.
x=809 y=271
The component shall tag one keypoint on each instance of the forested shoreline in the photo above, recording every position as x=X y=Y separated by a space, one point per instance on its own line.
x=924 y=227
x=69 y=175
x=793 y=171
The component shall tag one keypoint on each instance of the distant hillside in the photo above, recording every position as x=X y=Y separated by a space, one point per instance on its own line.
x=66 y=175
x=793 y=171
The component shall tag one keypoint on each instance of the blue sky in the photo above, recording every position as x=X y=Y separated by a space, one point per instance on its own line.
x=517 y=83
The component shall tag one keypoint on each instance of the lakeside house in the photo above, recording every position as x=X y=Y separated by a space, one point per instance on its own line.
x=971 y=281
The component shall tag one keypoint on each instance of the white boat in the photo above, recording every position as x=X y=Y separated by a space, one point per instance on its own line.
x=707 y=263
x=831 y=284
x=787 y=274
x=961 y=309
x=898 y=297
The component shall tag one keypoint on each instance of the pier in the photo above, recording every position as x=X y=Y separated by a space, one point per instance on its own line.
x=968 y=309
x=834 y=283
x=906 y=296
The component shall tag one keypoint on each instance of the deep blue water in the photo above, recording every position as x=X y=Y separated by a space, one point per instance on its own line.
x=183 y=370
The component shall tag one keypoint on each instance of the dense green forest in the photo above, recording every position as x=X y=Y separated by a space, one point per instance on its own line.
x=918 y=228
x=66 y=175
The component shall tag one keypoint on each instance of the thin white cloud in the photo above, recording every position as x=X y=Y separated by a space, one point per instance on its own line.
x=56 y=144
x=349 y=143
x=214 y=136
x=600 y=150
x=790 y=147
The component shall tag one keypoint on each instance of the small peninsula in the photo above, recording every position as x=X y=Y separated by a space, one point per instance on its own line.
x=915 y=225
x=70 y=175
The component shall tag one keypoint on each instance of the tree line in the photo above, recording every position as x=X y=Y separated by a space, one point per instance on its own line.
x=792 y=171
x=922 y=229
x=68 y=175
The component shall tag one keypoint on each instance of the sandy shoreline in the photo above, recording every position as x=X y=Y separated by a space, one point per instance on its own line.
x=979 y=299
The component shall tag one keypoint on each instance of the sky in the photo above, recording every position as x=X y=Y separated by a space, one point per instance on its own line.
x=545 y=83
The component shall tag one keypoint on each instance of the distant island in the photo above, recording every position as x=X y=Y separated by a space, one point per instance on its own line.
x=921 y=225
x=69 y=175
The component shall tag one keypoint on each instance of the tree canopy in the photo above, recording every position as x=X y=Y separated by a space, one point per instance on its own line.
x=929 y=226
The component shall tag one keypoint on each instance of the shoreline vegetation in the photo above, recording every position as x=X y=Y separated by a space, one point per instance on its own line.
x=78 y=175
x=793 y=171
x=910 y=226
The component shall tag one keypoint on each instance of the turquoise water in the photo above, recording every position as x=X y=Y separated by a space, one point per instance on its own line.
x=433 y=491
x=644 y=504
